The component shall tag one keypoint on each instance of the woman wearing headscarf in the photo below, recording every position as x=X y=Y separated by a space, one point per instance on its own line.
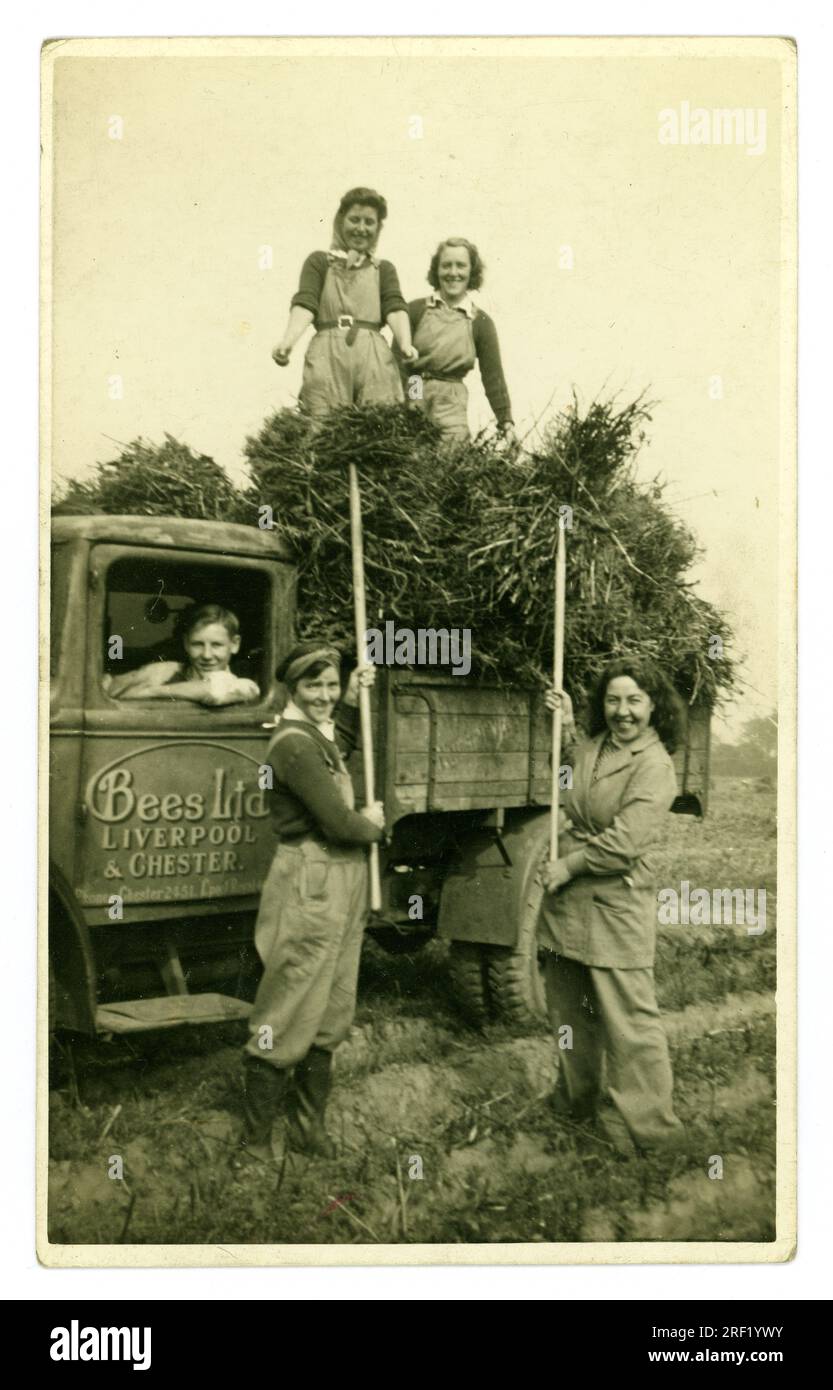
x=348 y=294
x=312 y=910
x=451 y=334
x=599 y=912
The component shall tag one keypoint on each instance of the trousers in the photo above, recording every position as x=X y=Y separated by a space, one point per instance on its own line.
x=615 y=1023
x=340 y=373
x=446 y=403
x=308 y=934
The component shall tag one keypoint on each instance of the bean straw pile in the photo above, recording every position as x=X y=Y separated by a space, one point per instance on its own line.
x=461 y=537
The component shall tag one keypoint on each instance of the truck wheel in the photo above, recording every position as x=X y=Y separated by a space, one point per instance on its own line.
x=468 y=967
x=516 y=980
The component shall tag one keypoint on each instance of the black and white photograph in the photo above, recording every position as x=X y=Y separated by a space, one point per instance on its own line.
x=418 y=465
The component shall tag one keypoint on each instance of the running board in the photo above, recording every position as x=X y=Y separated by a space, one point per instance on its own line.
x=168 y=1011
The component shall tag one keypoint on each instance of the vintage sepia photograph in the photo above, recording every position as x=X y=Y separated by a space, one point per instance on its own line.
x=418 y=632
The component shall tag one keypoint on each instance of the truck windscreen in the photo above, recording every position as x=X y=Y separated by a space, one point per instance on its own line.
x=146 y=598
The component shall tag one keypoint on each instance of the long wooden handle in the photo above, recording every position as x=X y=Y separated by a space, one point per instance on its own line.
x=360 y=615
x=558 y=681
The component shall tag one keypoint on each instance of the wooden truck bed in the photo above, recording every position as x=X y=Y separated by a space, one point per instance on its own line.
x=445 y=743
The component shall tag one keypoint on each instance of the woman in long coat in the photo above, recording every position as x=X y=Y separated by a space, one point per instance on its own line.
x=312 y=911
x=599 y=913
x=348 y=294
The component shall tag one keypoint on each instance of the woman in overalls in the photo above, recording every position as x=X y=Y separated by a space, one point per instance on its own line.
x=599 y=914
x=348 y=295
x=312 y=910
x=451 y=334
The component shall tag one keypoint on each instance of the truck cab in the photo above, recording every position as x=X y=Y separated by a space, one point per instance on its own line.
x=159 y=829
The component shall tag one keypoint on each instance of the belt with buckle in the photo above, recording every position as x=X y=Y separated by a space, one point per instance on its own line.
x=350 y=324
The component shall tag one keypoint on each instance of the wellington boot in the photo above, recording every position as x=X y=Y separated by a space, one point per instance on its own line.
x=307 y=1105
x=265 y=1089
x=581 y=1112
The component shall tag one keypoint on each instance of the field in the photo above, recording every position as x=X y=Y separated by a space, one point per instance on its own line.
x=446 y=1133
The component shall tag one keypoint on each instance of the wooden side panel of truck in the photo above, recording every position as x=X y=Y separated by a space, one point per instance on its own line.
x=448 y=743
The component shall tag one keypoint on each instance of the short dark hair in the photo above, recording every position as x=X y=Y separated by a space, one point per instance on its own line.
x=666 y=716
x=201 y=614
x=363 y=197
x=477 y=266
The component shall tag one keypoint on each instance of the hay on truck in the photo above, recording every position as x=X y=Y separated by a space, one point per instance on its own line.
x=460 y=538
x=465 y=538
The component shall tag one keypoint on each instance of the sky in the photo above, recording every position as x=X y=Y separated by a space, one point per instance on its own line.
x=189 y=183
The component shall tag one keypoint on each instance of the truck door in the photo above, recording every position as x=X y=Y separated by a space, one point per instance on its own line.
x=173 y=812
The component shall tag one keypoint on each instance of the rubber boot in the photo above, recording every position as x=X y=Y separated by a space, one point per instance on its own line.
x=581 y=1112
x=264 y=1089
x=308 y=1103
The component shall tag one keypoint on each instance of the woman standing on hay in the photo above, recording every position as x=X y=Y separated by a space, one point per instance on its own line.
x=311 y=919
x=598 y=916
x=451 y=334
x=348 y=295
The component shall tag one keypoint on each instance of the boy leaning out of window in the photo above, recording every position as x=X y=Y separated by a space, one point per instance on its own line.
x=210 y=637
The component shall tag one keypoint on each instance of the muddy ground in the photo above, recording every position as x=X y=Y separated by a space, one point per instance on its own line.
x=446 y=1133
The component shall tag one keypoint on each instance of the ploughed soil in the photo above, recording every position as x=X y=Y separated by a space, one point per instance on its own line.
x=446 y=1134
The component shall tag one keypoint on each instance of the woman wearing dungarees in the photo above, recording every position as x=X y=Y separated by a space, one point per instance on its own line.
x=312 y=911
x=598 y=917
x=451 y=334
x=348 y=295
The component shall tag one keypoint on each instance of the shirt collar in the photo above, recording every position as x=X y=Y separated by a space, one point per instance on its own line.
x=327 y=728
x=644 y=741
x=466 y=305
x=291 y=711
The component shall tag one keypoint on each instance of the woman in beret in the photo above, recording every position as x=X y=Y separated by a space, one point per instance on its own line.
x=312 y=910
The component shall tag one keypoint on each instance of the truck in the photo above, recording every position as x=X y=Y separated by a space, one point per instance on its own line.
x=159 y=831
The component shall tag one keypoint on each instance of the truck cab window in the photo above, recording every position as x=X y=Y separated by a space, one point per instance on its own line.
x=147 y=641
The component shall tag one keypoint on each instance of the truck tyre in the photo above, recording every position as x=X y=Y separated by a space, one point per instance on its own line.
x=516 y=981
x=468 y=968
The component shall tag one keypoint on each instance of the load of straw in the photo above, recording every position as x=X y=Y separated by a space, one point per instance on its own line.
x=461 y=538
x=466 y=538
x=153 y=480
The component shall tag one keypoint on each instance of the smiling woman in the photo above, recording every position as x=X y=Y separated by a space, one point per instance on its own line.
x=311 y=919
x=598 y=918
x=349 y=295
x=451 y=334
